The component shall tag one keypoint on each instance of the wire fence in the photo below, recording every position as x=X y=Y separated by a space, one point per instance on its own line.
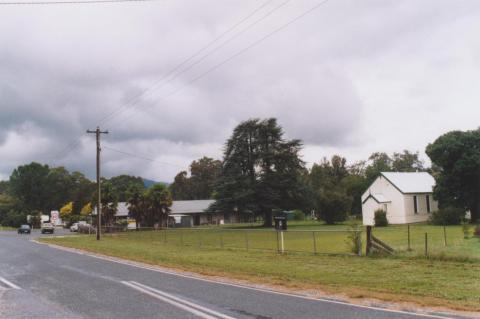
x=429 y=240
x=404 y=239
x=291 y=241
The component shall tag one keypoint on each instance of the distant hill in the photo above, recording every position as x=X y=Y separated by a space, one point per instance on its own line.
x=149 y=183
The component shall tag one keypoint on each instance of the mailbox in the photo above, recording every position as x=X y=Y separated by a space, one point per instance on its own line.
x=280 y=223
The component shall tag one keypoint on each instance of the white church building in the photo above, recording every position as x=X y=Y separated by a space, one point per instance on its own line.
x=406 y=197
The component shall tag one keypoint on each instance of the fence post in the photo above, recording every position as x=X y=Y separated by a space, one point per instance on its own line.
x=246 y=239
x=444 y=235
x=314 y=243
x=359 y=241
x=426 y=244
x=278 y=248
x=369 y=240
x=282 y=243
x=408 y=231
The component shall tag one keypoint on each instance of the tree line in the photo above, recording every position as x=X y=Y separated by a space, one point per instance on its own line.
x=261 y=173
x=35 y=189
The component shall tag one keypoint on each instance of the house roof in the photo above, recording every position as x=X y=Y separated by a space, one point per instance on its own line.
x=178 y=207
x=379 y=198
x=411 y=182
x=190 y=206
x=122 y=209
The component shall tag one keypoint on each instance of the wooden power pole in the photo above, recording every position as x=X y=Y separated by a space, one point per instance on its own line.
x=97 y=132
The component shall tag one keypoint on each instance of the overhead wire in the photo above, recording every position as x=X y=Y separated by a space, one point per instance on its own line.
x=240 y=52
x=73 y=145
x=13 y=3
x=140 y=157
x=178 y=66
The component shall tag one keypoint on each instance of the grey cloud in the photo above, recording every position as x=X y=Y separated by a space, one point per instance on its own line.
x=65 y=68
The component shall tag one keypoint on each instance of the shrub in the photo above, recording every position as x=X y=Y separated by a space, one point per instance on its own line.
x=466 y=229
x=476 y=233
x=381 y=219
x=354 y=240
x=14 y=218
x=333 y=206
x=298 y=215
x=447 y=216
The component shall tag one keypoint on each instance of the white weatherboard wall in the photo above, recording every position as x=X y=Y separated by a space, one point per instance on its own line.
x=422 y=212
x=395 y=207
x=395 y=192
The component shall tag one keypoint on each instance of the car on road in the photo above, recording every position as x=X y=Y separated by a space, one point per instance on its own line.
x=47 y=228
x=24 y=229
x=74 y=227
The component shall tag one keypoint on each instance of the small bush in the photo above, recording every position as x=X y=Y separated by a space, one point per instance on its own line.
x=298 y=215
x=447 y=216
x=466 y=230
x=333 y=206
x=476 y=233
x=354 y=240
x=381 y=218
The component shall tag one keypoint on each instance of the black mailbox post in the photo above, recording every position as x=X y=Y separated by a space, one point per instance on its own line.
x=280 y=223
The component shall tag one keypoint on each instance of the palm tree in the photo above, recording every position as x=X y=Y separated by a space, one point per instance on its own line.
x=136 y=199
x=159 y=201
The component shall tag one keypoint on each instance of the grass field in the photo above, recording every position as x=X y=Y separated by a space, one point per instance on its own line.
x=316 y=238
x=451 y=282
x=5 y=228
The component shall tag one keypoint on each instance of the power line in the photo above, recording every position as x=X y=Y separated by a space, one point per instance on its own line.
x=136 y=99
x=242 y=51
x=68 y=2
x=141 y=157
x=218 y=65
x=71 y=146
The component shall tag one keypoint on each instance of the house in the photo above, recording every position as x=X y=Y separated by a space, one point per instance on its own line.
x=195 y=211
x=185 y=213
x=406 y=197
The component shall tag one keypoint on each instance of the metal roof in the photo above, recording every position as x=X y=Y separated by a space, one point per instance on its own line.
x=178 y=207
x=190 y=206
x=122 y=209
x=411 y=182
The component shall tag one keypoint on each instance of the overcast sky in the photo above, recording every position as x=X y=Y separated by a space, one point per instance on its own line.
x=350 y=77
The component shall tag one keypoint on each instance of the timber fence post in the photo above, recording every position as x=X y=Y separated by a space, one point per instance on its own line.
x=408 y=231
x=444 y=235
x=426 y=244
x=369 y=240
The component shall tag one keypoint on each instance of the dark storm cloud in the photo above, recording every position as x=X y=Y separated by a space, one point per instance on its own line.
x=330 y=79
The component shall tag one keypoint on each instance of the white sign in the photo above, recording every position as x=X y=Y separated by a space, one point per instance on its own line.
x=54 y=217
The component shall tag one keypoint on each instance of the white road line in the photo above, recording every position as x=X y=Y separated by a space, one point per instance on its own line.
x=9 y=284
x=152 y=268
x=177 y=302
x=188 y=303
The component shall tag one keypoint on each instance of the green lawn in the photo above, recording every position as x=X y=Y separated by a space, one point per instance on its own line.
x=5 y=228
x=312 y=236
x=404 y=277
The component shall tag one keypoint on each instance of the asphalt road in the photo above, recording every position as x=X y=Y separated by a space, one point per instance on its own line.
x=38 y=281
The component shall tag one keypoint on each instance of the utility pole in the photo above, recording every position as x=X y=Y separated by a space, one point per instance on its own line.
x=97 y=132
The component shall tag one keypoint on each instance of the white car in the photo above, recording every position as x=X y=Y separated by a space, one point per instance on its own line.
x=74 y=227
